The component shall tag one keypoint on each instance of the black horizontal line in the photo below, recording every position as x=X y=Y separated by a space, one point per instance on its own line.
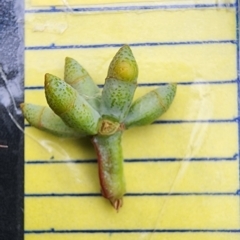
x=152 y=44
x=190 y=83
x=53 y=9
x=197 y=121
x=155 y=84
x=234 y=158
x=156 y=194
x=62 y=195
x=90 y=231
x=234 y=120
x=132 y=160
x=61 y=161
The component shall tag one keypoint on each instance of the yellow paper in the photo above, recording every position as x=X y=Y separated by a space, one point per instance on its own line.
x=182 y=172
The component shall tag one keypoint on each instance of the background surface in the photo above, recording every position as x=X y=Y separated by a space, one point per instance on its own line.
x=182 y=172
x=11 y=137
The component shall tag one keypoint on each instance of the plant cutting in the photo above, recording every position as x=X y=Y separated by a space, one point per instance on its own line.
x=77 y=108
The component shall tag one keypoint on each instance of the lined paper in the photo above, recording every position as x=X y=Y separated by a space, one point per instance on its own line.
x=182 y=172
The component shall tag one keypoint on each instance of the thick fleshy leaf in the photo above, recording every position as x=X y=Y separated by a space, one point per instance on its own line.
x=45 y=119
x=151 y=106
x=79 y=79
x=117 y=97
x=74 y=110
x=120 y=85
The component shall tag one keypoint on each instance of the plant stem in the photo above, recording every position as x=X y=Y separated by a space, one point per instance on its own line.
x=110 y=167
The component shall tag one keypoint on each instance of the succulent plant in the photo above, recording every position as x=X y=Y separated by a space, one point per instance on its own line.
x=77 y=108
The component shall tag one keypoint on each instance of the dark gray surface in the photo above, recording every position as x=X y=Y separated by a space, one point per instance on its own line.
x=11 y=95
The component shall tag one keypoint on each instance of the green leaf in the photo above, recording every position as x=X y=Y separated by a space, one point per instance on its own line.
x=79 y=79
x=151 y=106
x=74 y=110
x=45 y=119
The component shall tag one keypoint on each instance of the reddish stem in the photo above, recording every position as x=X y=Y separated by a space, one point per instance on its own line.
x=110 y=167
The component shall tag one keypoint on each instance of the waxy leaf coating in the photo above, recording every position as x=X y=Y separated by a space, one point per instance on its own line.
x=120 y=85
x=79 y=79
x=123 y=66
x=44 y=118
x=151 y=106
x=74 y=110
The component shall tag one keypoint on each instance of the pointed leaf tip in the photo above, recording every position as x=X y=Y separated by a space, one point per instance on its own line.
x=47 y=79
x=123 y=66
x=68 y=59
